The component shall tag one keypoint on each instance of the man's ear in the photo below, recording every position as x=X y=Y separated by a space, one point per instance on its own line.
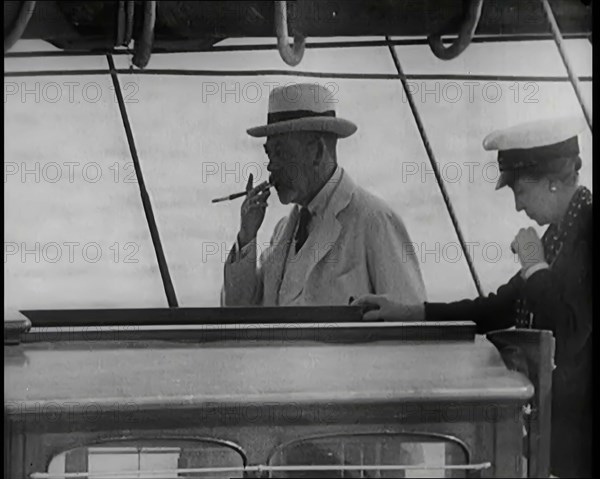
x=320 y=150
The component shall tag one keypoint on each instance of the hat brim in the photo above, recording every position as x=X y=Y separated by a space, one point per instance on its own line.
x=342 y=128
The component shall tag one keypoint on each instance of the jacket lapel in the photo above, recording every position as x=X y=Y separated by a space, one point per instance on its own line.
x=325 y=238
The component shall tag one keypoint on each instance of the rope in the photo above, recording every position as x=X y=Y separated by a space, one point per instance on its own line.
x=292 y=55
x=120 y=23
x=143 y=45
x=25 y=12
x=160 y=256
x=434 y=166
x=129 y=16
x=565 y=58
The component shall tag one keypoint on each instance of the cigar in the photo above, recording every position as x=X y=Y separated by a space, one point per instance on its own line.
x=236 y=195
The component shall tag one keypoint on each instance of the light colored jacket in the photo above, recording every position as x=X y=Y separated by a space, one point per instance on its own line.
x=363 y=248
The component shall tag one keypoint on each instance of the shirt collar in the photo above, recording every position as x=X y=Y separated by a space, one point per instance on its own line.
x=319 y=203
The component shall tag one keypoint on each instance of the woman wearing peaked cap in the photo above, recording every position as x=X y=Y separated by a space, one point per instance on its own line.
x=553 y=290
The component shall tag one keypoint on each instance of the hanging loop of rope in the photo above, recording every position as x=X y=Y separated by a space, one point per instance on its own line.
x=20 y=24
x=125 y=11
x=291 y=54
x=120 y=23
x=143 y=44
x=129 y=11
x=465 y=34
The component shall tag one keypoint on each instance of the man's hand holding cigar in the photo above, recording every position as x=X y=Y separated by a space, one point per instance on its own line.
x=253 y=211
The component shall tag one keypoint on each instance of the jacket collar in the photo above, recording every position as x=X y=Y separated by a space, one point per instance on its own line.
x=320 y=202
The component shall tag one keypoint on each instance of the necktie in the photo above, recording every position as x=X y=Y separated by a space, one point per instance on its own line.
x=302 y=231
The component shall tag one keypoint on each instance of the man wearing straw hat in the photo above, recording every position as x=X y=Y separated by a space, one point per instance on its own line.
x=339 y=241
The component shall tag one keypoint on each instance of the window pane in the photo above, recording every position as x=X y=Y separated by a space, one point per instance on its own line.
x=209 y=155
x=92 y=62
x=123 y=460
x=75 y=232
x=150 y=456
x=190 y=134
x=488 y=217
x=458 y=114
x=536 y=58
x=420 y=452
x=332 y=60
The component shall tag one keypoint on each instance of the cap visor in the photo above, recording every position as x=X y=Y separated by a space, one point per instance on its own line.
x=503 y=180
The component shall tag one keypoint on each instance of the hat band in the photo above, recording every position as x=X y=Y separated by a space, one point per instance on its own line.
x=278 y=116
x=531 y=157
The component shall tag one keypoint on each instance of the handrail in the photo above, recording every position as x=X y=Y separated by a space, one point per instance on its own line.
x=465 y=34
x=292 y=55
x=321 y=332
x=261 y=469
x=14 y=328
x=388 y=434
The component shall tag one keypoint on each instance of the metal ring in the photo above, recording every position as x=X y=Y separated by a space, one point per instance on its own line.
x=20 y=24
x=465 y=34
x=292 y=55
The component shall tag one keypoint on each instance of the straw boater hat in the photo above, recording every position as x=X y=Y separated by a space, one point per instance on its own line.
x=534 y=147
x=302 y=107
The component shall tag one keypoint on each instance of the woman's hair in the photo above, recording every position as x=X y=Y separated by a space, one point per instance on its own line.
x=565 y=170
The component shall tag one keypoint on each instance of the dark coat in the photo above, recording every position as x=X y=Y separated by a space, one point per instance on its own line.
x=560 y=299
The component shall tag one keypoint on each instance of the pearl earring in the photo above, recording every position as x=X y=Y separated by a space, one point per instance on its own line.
x=553 y=188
